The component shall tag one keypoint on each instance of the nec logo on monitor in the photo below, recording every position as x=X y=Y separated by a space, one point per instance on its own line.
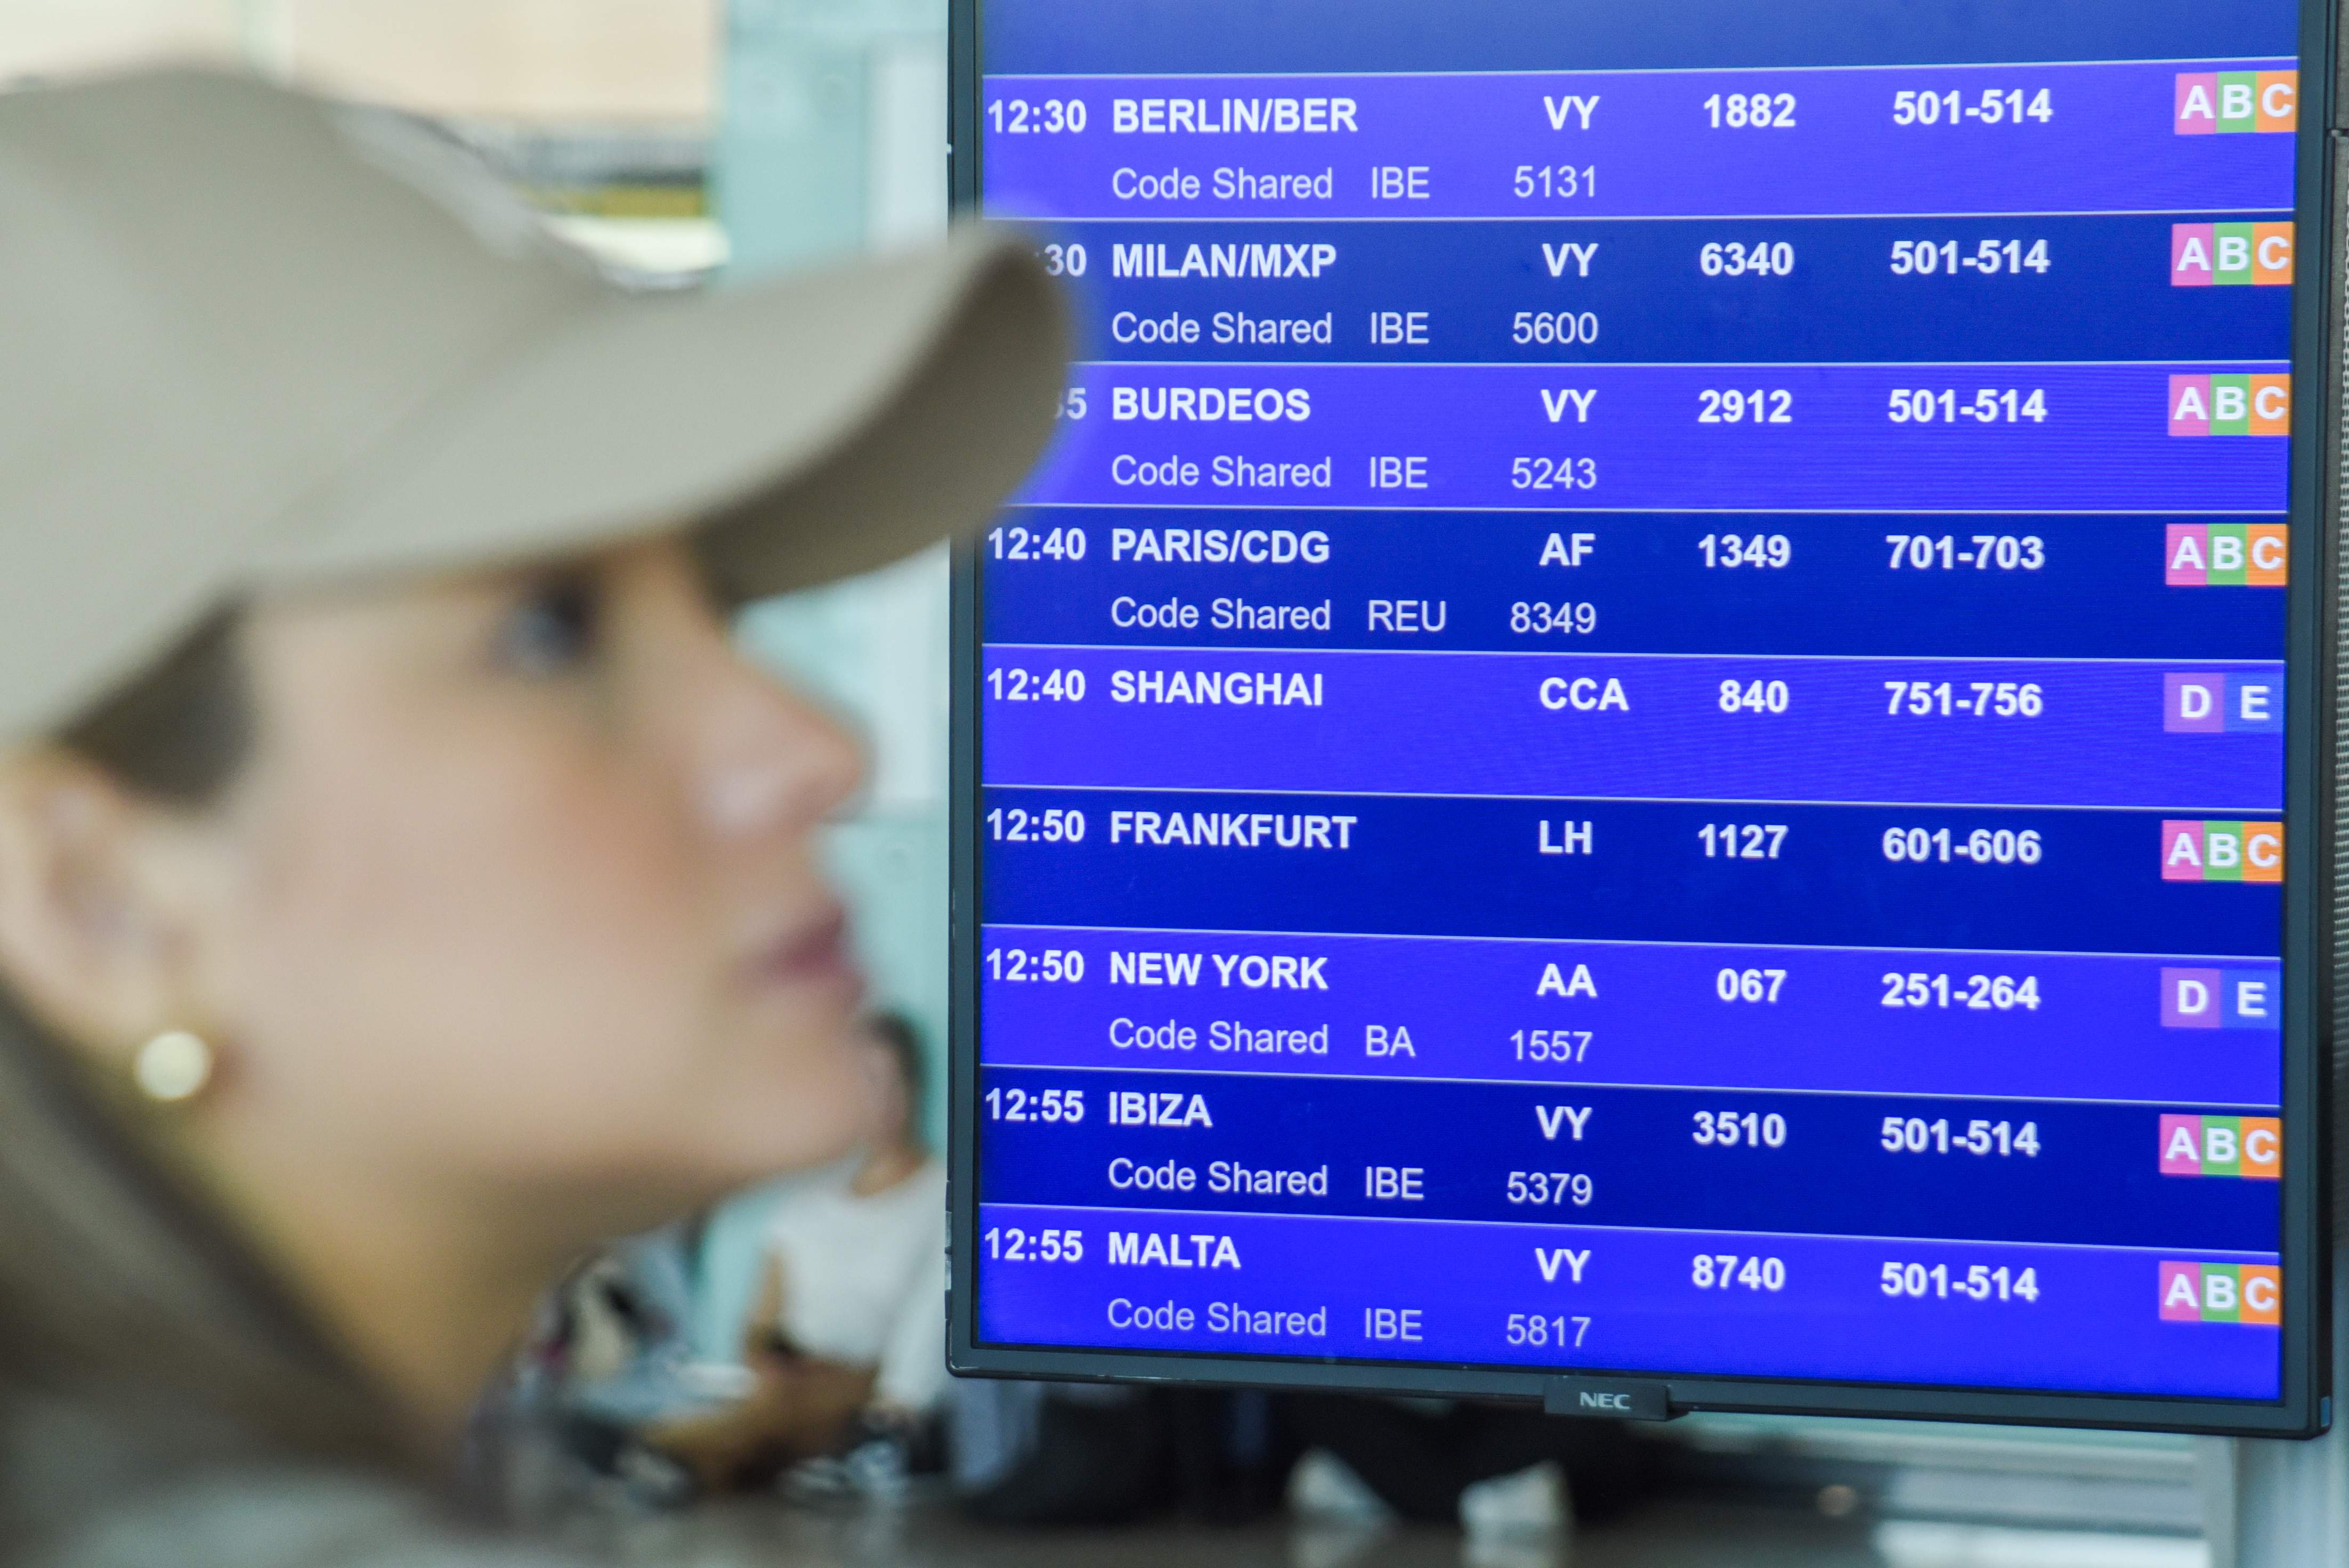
x=1623 y=1401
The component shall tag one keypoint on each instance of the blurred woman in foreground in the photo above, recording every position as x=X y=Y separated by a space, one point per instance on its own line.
x=403 y=883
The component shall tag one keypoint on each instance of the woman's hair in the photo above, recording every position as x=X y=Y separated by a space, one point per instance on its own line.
x=118 y=1283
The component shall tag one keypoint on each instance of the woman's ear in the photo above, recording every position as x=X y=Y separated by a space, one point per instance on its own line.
x=104 y=904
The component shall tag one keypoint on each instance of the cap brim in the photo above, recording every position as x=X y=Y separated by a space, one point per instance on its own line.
x=811 y=429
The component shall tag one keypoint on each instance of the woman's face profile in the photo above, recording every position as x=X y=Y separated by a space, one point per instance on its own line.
x=521 y=892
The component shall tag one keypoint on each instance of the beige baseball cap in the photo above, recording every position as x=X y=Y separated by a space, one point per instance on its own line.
x=249 y=341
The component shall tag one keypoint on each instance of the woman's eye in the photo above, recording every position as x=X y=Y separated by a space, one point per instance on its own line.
x=551 y=629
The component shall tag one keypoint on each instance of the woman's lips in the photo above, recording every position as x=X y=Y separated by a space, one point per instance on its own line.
x=812 y=952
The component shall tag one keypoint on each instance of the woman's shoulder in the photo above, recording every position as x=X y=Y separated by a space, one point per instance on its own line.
x=279 y=1518
x=82 y=1487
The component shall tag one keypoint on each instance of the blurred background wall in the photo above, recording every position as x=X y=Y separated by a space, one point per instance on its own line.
x=545 y=60
x=687 y=143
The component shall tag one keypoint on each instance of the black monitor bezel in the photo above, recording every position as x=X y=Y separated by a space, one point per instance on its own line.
x=2315 y=569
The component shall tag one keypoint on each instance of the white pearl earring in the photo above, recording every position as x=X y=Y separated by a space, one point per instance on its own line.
x=173 y=1066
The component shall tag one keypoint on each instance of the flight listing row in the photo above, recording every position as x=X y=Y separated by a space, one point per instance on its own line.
x=1687 y=726
x=1970 y=878
x=1570 y=1298
x=1951 y=437
x=2025 y=585
x=2183 y=1027
x=2081 y=1172
x=2042 y=287
x=2155 y=135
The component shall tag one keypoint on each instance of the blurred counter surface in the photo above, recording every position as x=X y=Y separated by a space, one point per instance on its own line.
x=1676 y=1533
x=922 y=1535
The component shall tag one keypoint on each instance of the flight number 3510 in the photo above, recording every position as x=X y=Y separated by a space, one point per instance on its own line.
x=1739 y=1129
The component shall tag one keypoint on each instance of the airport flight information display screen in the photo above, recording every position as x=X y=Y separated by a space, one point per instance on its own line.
x=1637 y=726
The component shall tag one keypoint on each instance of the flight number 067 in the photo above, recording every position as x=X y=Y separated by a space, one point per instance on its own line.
x=1748 y=985
x=1719 y=1271
x=1011 y=1244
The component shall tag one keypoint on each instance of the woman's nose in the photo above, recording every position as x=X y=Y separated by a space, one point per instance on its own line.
x=771 y=759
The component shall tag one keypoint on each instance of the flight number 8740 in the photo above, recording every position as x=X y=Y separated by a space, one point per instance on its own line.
x=1720 y=1271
